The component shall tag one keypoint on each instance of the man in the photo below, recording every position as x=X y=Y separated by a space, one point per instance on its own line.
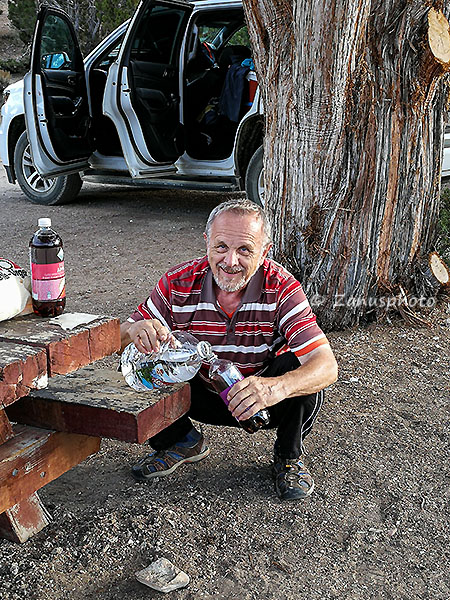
x=254 y=313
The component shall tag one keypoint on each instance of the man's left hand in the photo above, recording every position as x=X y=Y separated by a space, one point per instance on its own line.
x=252 y=394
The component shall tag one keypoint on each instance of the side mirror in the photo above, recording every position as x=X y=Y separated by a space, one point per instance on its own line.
x=55 y=60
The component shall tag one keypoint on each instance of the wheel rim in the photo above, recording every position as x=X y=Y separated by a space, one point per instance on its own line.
x=261 y=188
x=32 y=177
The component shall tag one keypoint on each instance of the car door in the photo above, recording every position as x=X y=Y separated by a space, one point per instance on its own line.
x=142 y=94
x=55 y=98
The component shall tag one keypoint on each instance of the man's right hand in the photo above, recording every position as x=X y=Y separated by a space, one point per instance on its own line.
x=146 y=334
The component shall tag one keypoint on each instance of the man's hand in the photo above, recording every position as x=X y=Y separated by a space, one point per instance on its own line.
x=145 y=334
x=252 y=394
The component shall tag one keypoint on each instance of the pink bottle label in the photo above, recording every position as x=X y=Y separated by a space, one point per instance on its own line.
x=48 y=281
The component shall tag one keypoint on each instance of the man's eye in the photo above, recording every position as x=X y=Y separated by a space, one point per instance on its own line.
x=244 y=250
x=221 y=247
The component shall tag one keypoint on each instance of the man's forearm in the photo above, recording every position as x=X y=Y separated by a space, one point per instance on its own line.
x=318 y=372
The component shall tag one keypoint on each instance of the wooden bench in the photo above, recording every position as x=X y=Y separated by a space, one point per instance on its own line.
x=99 y=402
x=29 y=460
x=61 y=425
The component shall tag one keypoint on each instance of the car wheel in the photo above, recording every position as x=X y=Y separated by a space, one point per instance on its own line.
x=254 y=178
x=58 y=190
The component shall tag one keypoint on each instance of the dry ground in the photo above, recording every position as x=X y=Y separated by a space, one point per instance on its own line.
x=376 y=526
x=375 y=529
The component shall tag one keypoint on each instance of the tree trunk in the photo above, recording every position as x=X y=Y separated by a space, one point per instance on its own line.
x=354 y=101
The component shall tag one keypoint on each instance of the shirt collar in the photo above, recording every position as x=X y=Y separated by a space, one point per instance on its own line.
x=252 y=291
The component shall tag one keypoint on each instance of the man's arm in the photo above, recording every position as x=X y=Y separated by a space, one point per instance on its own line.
x=146 y=334
x=254 y=393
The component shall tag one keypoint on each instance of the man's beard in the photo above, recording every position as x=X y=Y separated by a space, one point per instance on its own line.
x=231 y=286
x=236 y=286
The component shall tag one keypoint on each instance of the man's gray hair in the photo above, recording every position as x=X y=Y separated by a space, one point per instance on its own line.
x=241 y=207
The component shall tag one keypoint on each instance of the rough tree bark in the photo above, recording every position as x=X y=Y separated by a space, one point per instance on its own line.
x=354 y=94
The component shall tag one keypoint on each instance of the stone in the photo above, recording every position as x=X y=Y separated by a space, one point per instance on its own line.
x=163 y=576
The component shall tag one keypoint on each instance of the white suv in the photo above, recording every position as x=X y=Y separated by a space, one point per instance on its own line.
x=169 y=99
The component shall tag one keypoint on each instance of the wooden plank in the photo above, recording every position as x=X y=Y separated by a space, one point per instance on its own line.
x=24 y=519
x=6 y=432
x=99 y=402
x=67 y=350
x=22 y=367
x=34 y=457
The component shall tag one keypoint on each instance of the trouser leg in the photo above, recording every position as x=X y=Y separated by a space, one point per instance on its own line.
x=293 y=417
x=206 y=407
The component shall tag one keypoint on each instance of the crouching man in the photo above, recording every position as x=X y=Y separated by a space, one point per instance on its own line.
x=254 y=313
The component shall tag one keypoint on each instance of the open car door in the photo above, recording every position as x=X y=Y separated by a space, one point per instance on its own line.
x=55 y=98
x=142 y=94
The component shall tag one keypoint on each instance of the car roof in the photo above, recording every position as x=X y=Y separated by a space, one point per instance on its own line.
x=212 y=3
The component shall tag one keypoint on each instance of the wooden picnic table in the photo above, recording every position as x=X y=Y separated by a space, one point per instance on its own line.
x=54 y=410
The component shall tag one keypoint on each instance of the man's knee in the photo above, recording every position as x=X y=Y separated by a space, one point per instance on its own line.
x=281 y=364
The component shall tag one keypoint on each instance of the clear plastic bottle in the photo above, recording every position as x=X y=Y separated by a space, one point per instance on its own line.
x=48 y=284
x=224 y=374
x=177 y=360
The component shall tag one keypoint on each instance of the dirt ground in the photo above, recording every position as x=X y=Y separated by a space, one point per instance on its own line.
x=376 y=526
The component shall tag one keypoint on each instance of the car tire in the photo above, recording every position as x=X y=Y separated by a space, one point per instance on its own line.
x=254 y=178
x=58 y=190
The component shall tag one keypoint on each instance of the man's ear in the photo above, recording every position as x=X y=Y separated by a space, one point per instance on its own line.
x=267 y=249
x=205 y=237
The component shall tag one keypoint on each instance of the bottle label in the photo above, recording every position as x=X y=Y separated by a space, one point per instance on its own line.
x=223 y=394
x=48 y=281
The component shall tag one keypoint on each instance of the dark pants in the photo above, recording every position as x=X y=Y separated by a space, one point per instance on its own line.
x=293 y=417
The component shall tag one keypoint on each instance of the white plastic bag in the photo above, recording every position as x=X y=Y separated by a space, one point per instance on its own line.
x=15 y=290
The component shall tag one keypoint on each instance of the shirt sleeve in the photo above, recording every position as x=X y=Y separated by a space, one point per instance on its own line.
x=297 y=322
x=157 y=306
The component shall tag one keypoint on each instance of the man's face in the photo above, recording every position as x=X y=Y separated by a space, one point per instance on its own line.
x=235 y=249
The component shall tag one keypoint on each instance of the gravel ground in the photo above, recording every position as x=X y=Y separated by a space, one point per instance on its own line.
x=376 y=526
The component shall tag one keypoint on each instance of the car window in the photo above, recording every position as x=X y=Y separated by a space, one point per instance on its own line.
x=107 y=59
x=57 y=49
x=240 y=38
x=208 y=34
x=156 y=39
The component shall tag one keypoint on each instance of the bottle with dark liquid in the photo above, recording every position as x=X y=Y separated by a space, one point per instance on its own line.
x=224 y=374
x=48 y=290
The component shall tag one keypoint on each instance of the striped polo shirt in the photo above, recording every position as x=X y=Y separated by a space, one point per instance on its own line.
x=274 y=314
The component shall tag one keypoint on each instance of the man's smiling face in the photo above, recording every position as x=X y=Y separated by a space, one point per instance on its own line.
x=236 y=248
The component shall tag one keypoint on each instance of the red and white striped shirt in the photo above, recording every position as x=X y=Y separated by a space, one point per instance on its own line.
x=274 y=314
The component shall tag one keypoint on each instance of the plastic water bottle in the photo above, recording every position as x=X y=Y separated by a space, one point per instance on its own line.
x=224 y=374
x=179 y=359
x=176 y=361
x=48 y=283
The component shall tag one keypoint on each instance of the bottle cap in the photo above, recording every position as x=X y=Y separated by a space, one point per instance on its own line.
x=204 y=351
x=44 y=222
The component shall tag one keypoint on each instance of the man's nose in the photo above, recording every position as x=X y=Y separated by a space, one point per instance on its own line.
x=231 y=258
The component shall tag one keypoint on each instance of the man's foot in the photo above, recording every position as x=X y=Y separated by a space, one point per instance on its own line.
x=161 y=463
x=293 y=481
